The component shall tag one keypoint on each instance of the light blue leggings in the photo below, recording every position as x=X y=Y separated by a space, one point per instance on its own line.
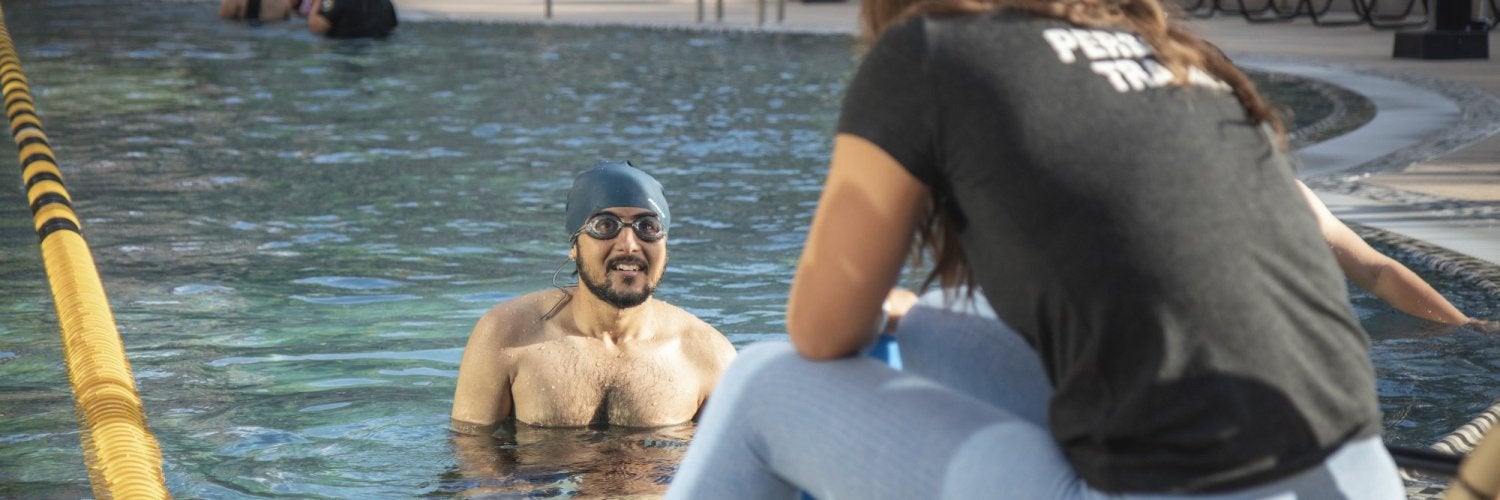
x=943 y=428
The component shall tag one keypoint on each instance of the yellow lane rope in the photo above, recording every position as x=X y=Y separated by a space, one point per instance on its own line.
x=123 y=457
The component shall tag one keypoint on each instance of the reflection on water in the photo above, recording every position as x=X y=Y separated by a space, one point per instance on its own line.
x=525 y=461
x=297 y=234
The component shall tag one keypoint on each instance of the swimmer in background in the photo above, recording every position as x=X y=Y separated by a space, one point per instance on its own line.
x=257 y=11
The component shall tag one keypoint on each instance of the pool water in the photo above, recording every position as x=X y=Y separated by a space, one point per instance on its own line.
x=297 y=234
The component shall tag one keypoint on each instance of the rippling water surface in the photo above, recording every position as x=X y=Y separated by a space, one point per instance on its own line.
x=297 y=234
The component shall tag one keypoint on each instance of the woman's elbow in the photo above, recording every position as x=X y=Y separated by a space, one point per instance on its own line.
x=820 y=342
x=822 y=352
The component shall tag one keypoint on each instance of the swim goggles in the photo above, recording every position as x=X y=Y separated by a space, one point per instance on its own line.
x=607 y=226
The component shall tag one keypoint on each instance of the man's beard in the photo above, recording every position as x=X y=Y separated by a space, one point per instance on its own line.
x=621 y=300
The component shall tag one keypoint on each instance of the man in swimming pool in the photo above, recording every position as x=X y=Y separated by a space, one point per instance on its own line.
x=602 y=353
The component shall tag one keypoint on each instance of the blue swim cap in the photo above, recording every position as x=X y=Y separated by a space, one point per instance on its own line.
x=614 y=184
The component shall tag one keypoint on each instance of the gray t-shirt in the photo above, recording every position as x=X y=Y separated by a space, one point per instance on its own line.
x=1146 y=238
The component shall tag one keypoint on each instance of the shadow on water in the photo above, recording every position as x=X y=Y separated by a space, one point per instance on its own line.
x=297 y=234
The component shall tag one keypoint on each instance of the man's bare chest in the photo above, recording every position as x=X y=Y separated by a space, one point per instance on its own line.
x=559 y=384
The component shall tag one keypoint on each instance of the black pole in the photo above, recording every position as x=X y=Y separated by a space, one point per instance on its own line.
x=1426 y=460
x=1452 y=33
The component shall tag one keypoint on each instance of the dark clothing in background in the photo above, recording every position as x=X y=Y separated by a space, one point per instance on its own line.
x=359 y=18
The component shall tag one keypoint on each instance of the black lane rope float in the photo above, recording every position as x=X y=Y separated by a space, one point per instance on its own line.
x=123 y=458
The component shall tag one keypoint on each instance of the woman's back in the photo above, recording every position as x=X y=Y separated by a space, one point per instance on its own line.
x=1145 y=237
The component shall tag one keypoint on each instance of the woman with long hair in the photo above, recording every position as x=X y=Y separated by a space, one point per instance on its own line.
x=1122 y=195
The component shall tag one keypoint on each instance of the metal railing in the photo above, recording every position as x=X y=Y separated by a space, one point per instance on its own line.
x=1378 y=14
x=760 y=11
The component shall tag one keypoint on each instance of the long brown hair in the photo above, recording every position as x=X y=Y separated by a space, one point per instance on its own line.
x=1174 y=46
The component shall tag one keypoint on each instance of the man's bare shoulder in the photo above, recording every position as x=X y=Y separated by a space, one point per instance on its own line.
x=699 y=338
x=684 y=322
x=517 y=321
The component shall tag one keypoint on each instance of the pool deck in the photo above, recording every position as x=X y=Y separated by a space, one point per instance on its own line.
x=1427 y=167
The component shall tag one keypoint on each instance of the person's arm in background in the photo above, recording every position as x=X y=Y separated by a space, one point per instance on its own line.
x=230 y=9
x=316 y=22
x=1379 y=274
x=859 y=240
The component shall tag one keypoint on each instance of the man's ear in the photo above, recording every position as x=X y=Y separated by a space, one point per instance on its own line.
x=573 y=253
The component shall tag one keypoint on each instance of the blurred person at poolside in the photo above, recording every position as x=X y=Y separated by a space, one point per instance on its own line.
x=1122 y=195
x=257 y=11
x=352 y=18
x=603 y=353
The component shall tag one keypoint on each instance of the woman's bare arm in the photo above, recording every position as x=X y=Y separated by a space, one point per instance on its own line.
x=860 y=237
x=1379 y=274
